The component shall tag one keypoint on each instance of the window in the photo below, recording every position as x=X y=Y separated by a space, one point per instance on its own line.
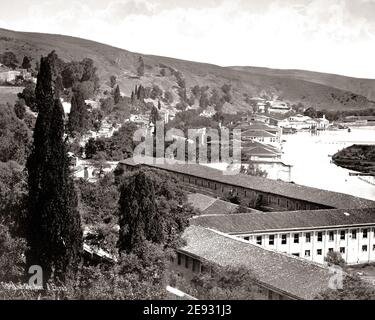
x=271 y=240
x=364 y=233
x=320 y=236
x=295 y=254
x=330 y=250
x=195 y=265
x=186 y=262
x=354 y=234
x=296 y=238
x=178 y=258
x=247 y=238
x=283 y=239
x=307 y=253
x=308 y=237
x=259 y=240
x=331 y=236
x=319 y=252
x=342 y=234
x=373 y=247
x=364 y=248
x=342 y=250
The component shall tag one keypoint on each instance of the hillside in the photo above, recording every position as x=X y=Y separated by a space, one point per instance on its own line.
x=364 y=87
x=162 y=72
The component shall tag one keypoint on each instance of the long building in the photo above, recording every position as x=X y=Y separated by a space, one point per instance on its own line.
x=278 y=276
x=273 y=195
x=306 y=234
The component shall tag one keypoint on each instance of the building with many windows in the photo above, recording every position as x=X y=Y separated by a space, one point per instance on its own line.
x=306 y=234
x=278 y=276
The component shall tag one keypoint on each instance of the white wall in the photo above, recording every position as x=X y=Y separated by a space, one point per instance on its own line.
x=354 y=248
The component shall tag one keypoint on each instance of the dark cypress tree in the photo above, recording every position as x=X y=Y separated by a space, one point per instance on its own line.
x=53 y=226
x=117 y=95
x=78 y=117
x=138 y=217
x=154 y=115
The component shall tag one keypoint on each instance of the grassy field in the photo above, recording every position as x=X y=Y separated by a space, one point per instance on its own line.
x=9 y=94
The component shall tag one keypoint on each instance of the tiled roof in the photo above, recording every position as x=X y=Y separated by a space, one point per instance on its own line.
x=287 y=220
x=209 y=205
x=260 y=151
x=292 y=276
x=258 y=133
x=286 y=189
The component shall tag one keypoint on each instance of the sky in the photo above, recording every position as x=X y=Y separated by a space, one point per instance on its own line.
x=333 y=36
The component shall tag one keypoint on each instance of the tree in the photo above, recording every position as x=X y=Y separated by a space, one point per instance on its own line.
x=137 y=209
x=26 y=63
x=152 y=207
x=222 y=283
x=310 y=112
x=78 y=117
x=117 y=95
x=335 y=258
x=53 y=228
x=141 y=67
x=154 y=115
x=113 y=81
x=15 y=136
x=20 y=109
x=353 y=288
x=28 y=94
x=9 y=59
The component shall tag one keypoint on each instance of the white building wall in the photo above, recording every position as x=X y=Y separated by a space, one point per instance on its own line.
x=355 y=249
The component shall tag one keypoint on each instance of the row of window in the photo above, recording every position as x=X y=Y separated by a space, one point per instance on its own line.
x=342 y=251
x=194 y=264
x=296 y=237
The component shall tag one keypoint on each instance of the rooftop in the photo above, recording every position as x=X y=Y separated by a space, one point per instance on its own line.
x=286 y=189
x=209 y=205
x=287 y=220
x=286 y=274
x=258 y=133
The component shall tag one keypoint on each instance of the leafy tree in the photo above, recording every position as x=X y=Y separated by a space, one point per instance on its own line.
x=26 y=63
x=156 y=92
x=28 y=94
x=15 y=136
x=20 y=109
x=9 y=59
x=335 y=258
x=53 y=228
x=221 y=283
x=353 y=288
x=13 y=194
x=310 y=112
x=113 y=81
x=168 y=97
x=11 y=258
x=117 y=95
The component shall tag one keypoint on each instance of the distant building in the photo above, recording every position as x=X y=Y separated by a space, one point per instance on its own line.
x=7 y=75
x=278 y=107
x=359 y=120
